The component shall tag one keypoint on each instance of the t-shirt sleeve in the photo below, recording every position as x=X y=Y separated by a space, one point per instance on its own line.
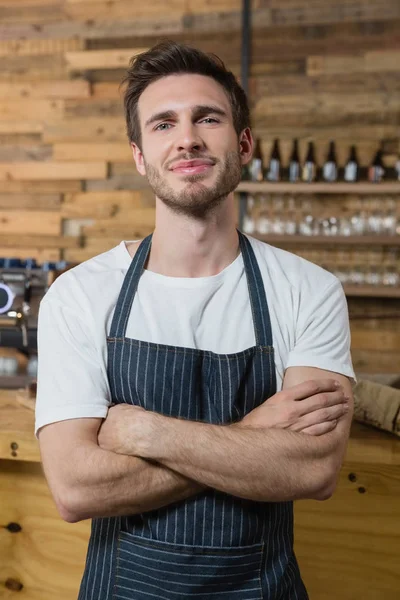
x=72 y=380
x=322 y=337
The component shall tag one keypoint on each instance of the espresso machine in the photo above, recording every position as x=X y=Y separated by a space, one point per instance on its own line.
x=23 y=283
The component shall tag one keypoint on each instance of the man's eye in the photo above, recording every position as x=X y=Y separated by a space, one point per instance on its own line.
x=162 y=126
x=210 y=120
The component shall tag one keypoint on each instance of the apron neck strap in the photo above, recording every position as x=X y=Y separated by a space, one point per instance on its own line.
x=128 y=290
x=258 y=298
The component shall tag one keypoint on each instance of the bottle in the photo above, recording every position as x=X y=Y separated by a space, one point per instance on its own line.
x=309 y=168
x=376 y=171
x=256 y=166
x=274 y=170
x=330 y=170
x=294 y=163
x=351 y=169
x=397 y=167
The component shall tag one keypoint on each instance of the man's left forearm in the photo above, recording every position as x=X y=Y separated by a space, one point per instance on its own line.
x=254 y=463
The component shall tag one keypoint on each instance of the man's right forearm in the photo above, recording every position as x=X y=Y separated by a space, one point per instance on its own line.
x=110 y=485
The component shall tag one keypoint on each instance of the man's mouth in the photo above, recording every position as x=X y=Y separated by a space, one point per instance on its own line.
x=192 y=167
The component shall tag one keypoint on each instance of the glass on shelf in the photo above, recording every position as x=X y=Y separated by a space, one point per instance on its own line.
x=374 y=271
x=391 y=267
x=356 y=268
x=344 y=223
x=248 y=218
x=358 y=220
x=375 y=216
x=306 y=225
x=263 y=220
x=390 y=217
x=291 y=224
x=278 y=220
x=341 y=266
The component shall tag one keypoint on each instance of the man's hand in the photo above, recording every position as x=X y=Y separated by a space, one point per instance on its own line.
x=123 y=428
x=313 y=407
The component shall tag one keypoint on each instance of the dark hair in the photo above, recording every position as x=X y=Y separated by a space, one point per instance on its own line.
x=170 y=58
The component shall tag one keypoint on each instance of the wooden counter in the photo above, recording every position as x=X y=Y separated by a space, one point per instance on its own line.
x=347 y=547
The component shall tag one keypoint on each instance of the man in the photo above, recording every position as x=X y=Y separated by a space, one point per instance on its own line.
x=160 y=363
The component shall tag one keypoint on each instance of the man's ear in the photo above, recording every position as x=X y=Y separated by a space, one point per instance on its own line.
x=246 y=145
x=138 y=158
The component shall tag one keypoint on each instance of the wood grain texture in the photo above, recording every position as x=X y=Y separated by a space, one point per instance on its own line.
x=375 y=361
x=110 y=152
x=35 y=222
x=101 y=59
x=371 y=62
x=105 y=129
x=122 y=222
x=295 y=12
x=22 y=153
x=40 y=255
x=38 y=47
x=31 y=201
x=94 y=108
x=120 y=9
x=52 y=170
x=332 y=537
x=47 y=556
x=97 y=27
x=100 y=205
x=42 y=89
x=49 y=110
x=11 y=126
x=41 y=187
x=39 y=242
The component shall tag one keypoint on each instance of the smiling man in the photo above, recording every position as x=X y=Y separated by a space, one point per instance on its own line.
x=192 y=384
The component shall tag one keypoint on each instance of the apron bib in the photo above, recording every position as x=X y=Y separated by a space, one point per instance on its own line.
x=212 y=546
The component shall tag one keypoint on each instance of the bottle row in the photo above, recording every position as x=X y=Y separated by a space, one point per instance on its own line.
x=284 y=214
x=378 y=267
x=30 y=263
x=309 y=171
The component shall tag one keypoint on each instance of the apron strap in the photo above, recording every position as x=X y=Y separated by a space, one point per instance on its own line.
x=128 y=290
x=258 y=298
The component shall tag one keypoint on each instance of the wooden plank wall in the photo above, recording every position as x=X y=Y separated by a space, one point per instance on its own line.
x=321 y=69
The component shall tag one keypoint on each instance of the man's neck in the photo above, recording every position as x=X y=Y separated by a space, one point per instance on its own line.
x=186 y=247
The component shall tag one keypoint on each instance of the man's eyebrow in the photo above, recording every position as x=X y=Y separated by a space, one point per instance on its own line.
x=161 y=116
x=205 y=109
x=200 y=109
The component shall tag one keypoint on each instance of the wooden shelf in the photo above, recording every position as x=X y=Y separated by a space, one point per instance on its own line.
x=372 y=291
x=325 y=240
x=11 y=382
x=319 y=188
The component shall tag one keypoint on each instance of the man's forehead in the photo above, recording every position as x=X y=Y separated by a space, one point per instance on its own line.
x=181 y=92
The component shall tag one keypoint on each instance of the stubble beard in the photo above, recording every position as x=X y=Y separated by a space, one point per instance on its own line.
x=197 y=200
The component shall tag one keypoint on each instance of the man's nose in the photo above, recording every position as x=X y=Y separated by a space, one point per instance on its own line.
x=189 y=139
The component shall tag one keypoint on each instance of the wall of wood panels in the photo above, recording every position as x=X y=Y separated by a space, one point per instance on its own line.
x=321 y=70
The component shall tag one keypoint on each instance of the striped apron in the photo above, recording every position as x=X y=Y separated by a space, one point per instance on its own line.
x=212 y=546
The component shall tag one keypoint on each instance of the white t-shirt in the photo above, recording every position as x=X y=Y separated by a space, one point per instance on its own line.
x=307 y=306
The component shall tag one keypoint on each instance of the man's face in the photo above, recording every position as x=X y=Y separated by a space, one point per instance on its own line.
x=190 y=150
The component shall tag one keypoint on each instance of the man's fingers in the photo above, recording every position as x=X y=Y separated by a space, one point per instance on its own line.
x=324 y=400
x=323 y=415
x=321 y=428
x=311 y=388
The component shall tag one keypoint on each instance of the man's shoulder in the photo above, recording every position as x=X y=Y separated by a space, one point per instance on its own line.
x=90 y=278
x=288 y=269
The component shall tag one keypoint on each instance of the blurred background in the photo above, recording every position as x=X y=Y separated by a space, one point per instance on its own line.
x=323 y=82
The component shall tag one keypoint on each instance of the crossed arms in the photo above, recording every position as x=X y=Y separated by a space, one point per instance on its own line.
x=134 y=461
